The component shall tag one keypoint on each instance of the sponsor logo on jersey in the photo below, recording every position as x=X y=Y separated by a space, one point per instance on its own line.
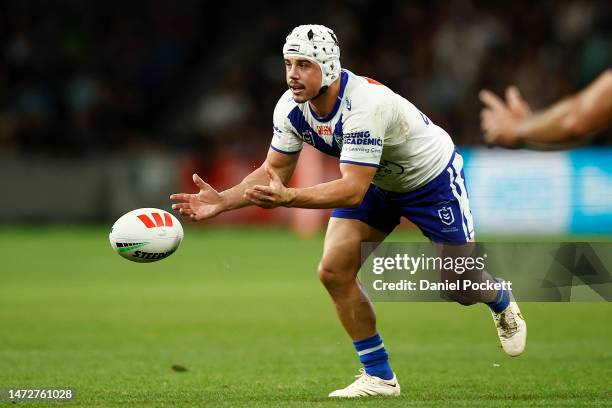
x=349 y=106
x=324 y=130
x=361 y=138
x=386 y=167
x=446 y=215
x=277 y=130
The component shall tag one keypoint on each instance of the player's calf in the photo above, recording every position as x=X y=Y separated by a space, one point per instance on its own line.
x=352 y=306
x=338 y=275
x=462 y=297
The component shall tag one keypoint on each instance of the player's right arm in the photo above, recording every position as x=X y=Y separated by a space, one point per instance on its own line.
x=208 y=203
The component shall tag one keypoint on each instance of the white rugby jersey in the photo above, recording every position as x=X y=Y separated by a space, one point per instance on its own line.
x=370 y=125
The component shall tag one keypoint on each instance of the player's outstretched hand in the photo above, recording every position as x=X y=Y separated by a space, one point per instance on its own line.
x=271 y=196
x=500 y=120
x=207 y=203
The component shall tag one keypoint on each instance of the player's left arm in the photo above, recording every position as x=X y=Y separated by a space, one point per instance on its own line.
x=347 y=191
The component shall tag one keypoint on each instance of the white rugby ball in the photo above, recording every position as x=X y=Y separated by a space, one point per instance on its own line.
x=146 y=235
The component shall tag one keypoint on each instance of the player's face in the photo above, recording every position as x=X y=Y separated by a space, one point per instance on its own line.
x=303 y=78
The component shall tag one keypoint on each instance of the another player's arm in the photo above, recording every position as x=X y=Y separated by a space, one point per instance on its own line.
x=570 y=121
x=208 y=203
x=346 y=191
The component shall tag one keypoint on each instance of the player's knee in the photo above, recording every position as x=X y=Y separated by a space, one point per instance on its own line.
x=332 y=276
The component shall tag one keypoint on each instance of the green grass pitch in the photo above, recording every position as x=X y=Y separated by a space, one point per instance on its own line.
x=244 y=312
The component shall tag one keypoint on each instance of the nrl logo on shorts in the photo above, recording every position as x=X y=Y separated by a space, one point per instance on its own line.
x=446 y=215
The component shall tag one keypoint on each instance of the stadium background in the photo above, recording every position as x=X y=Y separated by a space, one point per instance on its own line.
x=107 y=107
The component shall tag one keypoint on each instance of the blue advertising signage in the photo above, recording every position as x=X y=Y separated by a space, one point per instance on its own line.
x=516 y=191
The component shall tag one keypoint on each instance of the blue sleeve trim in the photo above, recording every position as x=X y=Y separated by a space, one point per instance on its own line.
x=285 y=152
x=359 y=163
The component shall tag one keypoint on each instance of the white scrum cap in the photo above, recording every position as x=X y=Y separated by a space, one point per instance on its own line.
x=318 y=44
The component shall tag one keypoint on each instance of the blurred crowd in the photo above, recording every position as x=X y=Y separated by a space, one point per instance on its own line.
x=81 y=78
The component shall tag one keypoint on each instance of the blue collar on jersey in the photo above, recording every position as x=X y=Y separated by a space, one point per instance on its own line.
x=343 y=80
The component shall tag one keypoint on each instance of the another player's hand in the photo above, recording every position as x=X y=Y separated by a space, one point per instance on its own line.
x=207 y=203
x=500 y=120
x=271 y=196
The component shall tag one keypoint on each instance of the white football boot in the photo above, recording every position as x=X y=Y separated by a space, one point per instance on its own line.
x=366 y=385
x=511 y=328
